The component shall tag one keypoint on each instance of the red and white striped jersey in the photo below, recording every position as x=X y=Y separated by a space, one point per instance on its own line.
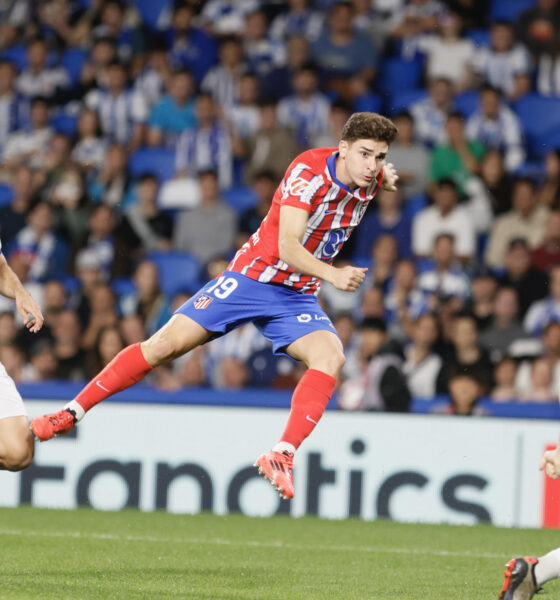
x=334 y=212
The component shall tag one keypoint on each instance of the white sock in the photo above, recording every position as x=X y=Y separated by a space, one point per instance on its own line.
x=284 y=447
x=548 y=567
x=76 y=409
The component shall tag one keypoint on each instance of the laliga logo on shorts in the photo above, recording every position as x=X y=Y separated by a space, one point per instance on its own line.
x=304 y=318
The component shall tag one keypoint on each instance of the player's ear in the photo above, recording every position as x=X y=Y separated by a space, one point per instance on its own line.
x=343 y=148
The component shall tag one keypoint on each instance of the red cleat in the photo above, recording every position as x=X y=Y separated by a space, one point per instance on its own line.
x=58 y=423
x=277 y=468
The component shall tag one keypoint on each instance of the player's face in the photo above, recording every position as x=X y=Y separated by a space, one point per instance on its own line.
x=361 y=161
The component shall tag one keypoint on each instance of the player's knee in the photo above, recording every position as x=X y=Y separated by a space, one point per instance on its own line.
x=158 y=350
x=18 y=456
x=330 y=362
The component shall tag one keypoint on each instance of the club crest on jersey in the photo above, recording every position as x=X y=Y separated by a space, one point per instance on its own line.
x=202 y=302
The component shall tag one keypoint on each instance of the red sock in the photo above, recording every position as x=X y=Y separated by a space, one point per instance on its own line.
x=311 y=396
x=128 y=367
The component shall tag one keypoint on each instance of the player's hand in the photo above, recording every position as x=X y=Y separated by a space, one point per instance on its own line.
x=390 y=178
x=30 y=312
x=348 y=279
x=550 y=462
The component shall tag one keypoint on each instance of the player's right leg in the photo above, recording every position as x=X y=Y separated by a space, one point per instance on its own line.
x=525 y=576
x=177 y=337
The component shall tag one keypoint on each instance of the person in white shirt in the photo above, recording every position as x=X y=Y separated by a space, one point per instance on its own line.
x=445 y=216
x=497 y=127
x=430 y=114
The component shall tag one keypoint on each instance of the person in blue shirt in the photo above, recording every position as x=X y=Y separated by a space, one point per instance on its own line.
x=173 y=113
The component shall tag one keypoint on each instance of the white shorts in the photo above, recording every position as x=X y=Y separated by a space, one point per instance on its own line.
x=11 y=404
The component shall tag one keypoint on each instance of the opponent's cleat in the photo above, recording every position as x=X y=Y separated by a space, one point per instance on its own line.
x=58 y=423
x=520 y=583
x=277 y=468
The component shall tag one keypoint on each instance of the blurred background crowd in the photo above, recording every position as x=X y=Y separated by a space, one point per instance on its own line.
x=141 y=144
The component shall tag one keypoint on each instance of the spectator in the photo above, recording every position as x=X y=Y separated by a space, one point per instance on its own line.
x=548 y=71
x=459 y=158
x=542 y=312
x=404 y=302
x=55 y=301
x=70 y=357
x=445 y=216
x=243 y=116
x=530 y=283
x=209 y=230
x=207 y=147
x=465 y=356
x=339 y=113
x=13 y=108
x=263 y=54
x=250 y=220
x=271 y=148
x=497 y=183
x=226 y=17
x=13 y=18
x=29 y=145
x=506 y=328
x=465 y=391
x=38 y=247
x=95 y=70
x=505 y=389
x=372 y=304
x=447 y=277
x=549 y=352
x=422 y=364
x=481 y=303
x=526 y=220
x=537 y=27
x=541 y=383
x=430 y=114
x=147 y=301
x=448 y=54
x=43 y=363
x=189 y=47
x=13 y=216
x=91 y=148
x=174 y=113
x=505 y=64
x=87 y=267
x=382 y=384
x=38 y=79
x=154 y=75
x=299 y=19
x=498 y=128
x=101 y=238
x=388 y=218
x=547 y=254
x=222 y=81
x=8 y=328
x=122 y=112
x=111 y=183
x=306 y=112
x=108 y=344
x=411 y=157
x=132 y=329
x=102 y=314
x=549 y=192
x=384 y=257
x=346 y=59
x=144 y=227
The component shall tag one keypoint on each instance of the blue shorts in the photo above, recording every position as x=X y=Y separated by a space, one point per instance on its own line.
x=281 y=314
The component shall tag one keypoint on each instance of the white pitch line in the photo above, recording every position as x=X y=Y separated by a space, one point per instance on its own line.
x=255 y=544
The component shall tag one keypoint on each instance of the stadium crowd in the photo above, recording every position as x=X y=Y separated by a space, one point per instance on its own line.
x=141 y=144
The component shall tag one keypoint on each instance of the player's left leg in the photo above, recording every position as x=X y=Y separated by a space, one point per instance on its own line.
x=525 y=576
x=16 y=443
x=322 y=353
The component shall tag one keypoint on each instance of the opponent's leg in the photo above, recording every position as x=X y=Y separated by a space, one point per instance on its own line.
x=322 y=353
x=178 y=336
x=16 y=444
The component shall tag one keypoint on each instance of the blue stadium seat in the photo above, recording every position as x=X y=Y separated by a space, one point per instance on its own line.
x=66 y=124
x=479 y=37
x=73 y=61
x=178 y=272
x=368 y=103
x=240 y=198
x=150 y=11
x=157 y=161
x=6 y=194
x=466 y=103
x=509 y=10
x=123 y=286
x=397 y=74
x=415 y=204
x=540 y=117
x=16 y=54
x=403 y=100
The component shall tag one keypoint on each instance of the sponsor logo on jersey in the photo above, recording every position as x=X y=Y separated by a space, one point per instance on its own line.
x=202 y=302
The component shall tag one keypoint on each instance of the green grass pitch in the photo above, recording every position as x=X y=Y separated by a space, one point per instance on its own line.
x=86 y=554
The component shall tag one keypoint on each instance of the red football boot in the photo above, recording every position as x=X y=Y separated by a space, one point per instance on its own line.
x=58 y=423
x=277 y=468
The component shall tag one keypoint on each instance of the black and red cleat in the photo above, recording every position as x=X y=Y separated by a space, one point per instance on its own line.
x=277 y=468
x=520 y=583
x=46 y=427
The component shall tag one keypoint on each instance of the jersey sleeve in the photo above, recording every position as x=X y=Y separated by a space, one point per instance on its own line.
x=299 y=187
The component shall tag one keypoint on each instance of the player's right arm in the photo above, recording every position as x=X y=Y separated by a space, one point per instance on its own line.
x=11 y=287
x=293 y=222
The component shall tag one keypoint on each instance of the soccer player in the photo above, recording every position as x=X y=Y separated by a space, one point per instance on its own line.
x=16 y=440
x=273 y=281
x=524 y=576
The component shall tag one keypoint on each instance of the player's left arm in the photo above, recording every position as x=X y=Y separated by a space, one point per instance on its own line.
x=11 y=287
x=390 y=178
